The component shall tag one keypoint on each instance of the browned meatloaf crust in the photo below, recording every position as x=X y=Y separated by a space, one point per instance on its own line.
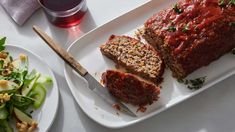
x=192 y=33
x=136 y=57
x=129 y=88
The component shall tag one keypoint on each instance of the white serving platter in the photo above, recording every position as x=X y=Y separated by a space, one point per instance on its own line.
x=86 y=51
x=46 y=114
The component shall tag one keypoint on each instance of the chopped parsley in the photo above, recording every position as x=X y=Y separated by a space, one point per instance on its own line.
x=222 y=3
x=232 y=24
x=2 y=42
x=233 y=51
x=193 y=84
x=186 y=28
x=171 y=28
x=232 y=2
x=177 y=9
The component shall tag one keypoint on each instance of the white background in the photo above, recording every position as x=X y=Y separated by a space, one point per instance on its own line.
x=211 y=111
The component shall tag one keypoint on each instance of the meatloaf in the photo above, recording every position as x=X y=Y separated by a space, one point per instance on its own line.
x=192 y=33
x=136 y=57
x=129 y=88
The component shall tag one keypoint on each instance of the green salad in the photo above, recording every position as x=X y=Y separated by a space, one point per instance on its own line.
x=21 y=91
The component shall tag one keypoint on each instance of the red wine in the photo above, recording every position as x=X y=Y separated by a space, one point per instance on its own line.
x=64 y=13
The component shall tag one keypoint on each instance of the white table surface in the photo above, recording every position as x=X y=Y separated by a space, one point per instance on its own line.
x=211 y=111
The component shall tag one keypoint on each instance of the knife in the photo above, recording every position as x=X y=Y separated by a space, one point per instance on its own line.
x=94 y=85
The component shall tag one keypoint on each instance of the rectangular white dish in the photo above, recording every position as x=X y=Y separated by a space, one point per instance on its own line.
x=86 y=51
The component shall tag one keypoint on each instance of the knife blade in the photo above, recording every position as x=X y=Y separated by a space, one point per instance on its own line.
x=94 y=85
x=101 y=91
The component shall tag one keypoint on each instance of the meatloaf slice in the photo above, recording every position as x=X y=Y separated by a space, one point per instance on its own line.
x=130 y=88
x=136 y=57
x=192 y=33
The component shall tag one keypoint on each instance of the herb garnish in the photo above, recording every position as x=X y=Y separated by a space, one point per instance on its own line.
x=177 y=9
x=233 y=51
x=2 y=42
x=171 y=28
x=232 y=24
x=186 y=28
x=193 y=84
x=232 y=2
x=222 y=3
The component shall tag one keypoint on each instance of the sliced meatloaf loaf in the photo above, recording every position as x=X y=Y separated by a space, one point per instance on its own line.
x=136 y=57
x=130 y=88
x=192 y=33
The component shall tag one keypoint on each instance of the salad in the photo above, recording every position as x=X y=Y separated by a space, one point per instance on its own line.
x=21 y=91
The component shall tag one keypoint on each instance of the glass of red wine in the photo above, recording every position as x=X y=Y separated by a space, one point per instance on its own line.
x=64 y=13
